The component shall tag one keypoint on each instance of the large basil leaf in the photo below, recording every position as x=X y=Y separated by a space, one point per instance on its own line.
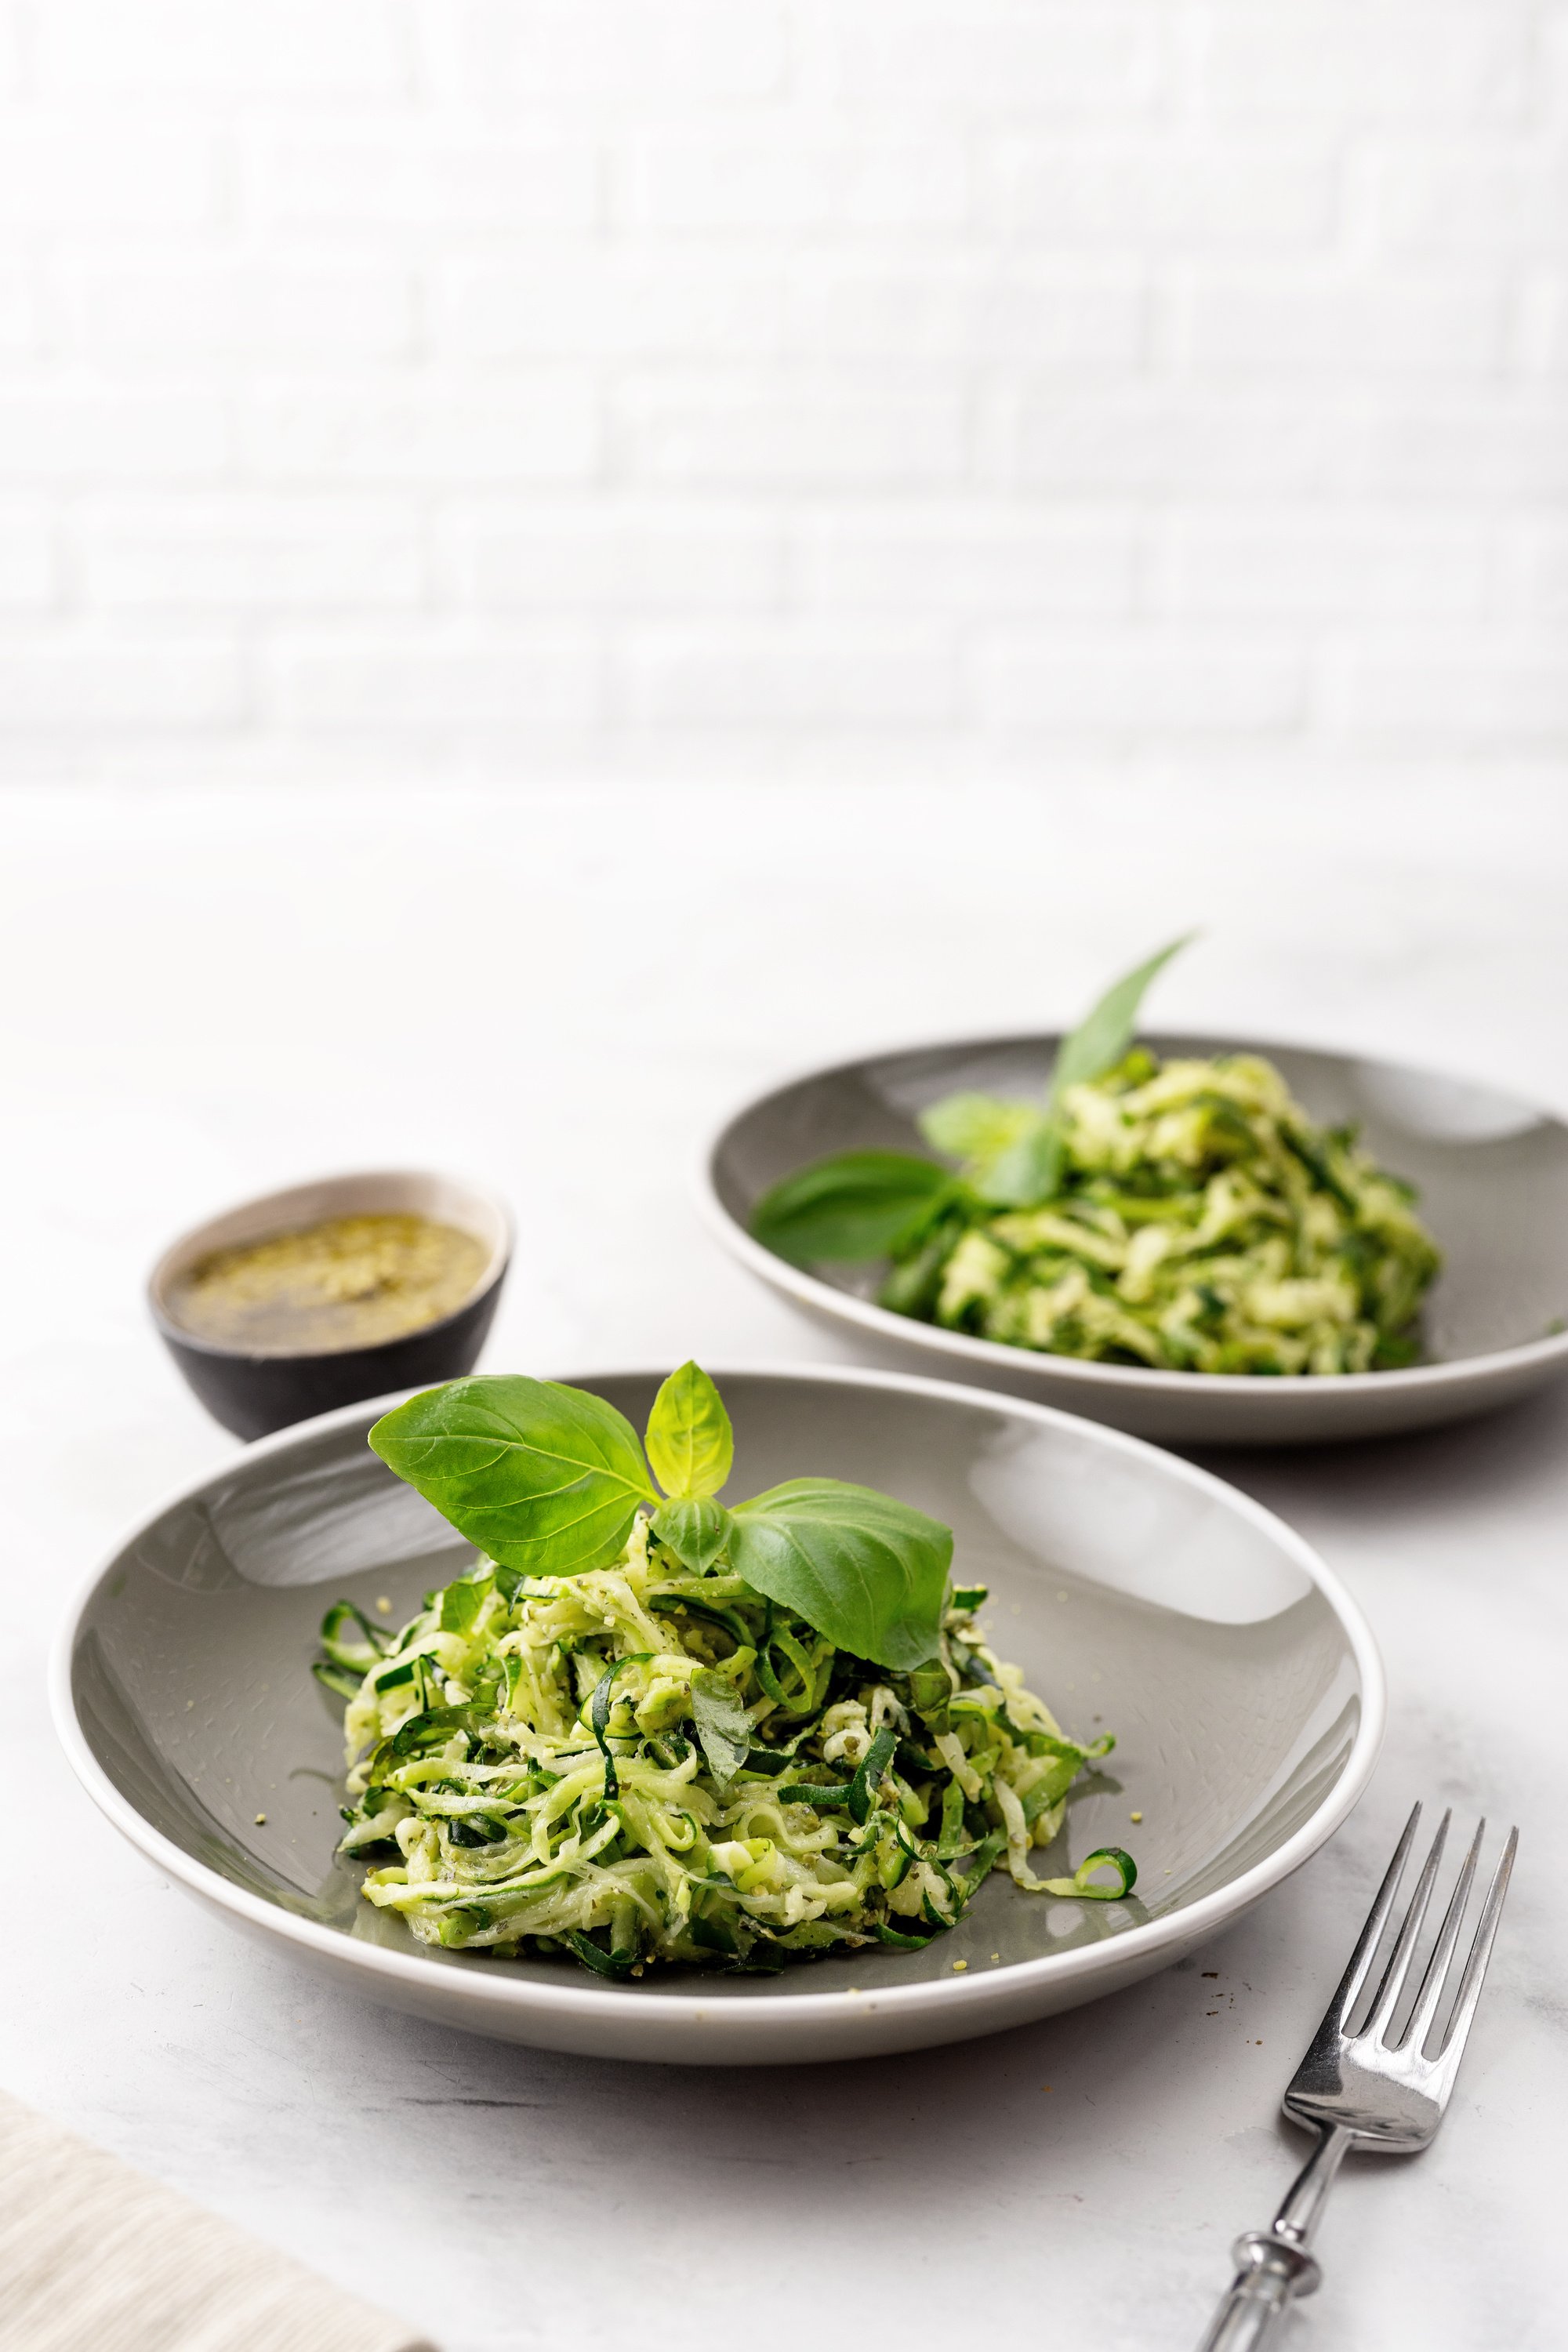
x=548 y=1480
x=689 y=1441
x=869 y=1572
x=858 y=1204
x=543 y=1477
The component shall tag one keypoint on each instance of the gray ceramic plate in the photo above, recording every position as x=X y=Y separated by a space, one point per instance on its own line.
x=1139 y=1593
x=1493 y=1176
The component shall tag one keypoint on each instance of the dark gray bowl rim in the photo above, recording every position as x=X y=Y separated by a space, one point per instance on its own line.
x=177 y=1334
x=909 y=1331
x=500 y=1996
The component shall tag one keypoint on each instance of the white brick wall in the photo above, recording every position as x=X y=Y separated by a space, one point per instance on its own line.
x=530 y=387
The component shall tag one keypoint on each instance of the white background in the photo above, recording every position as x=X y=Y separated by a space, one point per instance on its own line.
x=521 y=388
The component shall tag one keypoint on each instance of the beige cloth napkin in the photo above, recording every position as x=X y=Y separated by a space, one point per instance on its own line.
x=95 y=2257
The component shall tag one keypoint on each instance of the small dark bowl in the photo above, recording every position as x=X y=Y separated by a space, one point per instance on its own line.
x=255 y=1394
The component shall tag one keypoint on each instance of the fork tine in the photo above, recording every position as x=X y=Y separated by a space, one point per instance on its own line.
x=1398 y=1968
x=1469 y=1991
x=1354 y=1976
x=1415 y=2034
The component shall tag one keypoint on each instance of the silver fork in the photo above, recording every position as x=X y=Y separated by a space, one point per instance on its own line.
x=1373 y=2089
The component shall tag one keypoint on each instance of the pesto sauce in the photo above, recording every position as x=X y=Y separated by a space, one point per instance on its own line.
x=348 y=1282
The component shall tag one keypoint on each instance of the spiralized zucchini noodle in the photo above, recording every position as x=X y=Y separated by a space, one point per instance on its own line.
x=644 y=1764
x=1200 y=1224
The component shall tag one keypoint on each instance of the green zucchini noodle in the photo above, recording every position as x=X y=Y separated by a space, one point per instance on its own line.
x=1200 y=1224
x=642 y=1764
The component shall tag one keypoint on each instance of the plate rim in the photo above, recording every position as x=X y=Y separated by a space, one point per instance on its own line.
x=945 y=1998
x=1143 y=1380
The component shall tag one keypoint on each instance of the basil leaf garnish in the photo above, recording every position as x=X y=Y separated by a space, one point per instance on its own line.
x=867 y=1204
x=1030 y=1170
x=869 y=1572
x=696 y=1529
x=1098 y=1041
x=858 y=1204
x=547 y=1480
x=974 y=1127
x=541 y=1477
x=689 y=1441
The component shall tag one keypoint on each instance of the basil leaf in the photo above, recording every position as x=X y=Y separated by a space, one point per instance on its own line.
x=1098 y=1041
x=541 y=1477
x=976 y=1127
x=1030 y=1170
x=869 y=1572
x=858 y=1204
x=460 y=1603
x=696 y=1529
x=689 y=1441
x=724 y=1727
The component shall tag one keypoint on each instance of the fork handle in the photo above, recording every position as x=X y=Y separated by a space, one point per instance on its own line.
x=1273 y=2266
x=1271 y=2272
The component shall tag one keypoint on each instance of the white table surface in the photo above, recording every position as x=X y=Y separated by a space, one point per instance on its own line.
x=205 y=997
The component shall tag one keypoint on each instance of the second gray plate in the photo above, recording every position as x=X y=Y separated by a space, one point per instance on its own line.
x=1493 y=1179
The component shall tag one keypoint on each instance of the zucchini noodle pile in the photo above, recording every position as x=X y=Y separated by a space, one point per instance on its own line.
x=1202 y=1223
x=644 y=1764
